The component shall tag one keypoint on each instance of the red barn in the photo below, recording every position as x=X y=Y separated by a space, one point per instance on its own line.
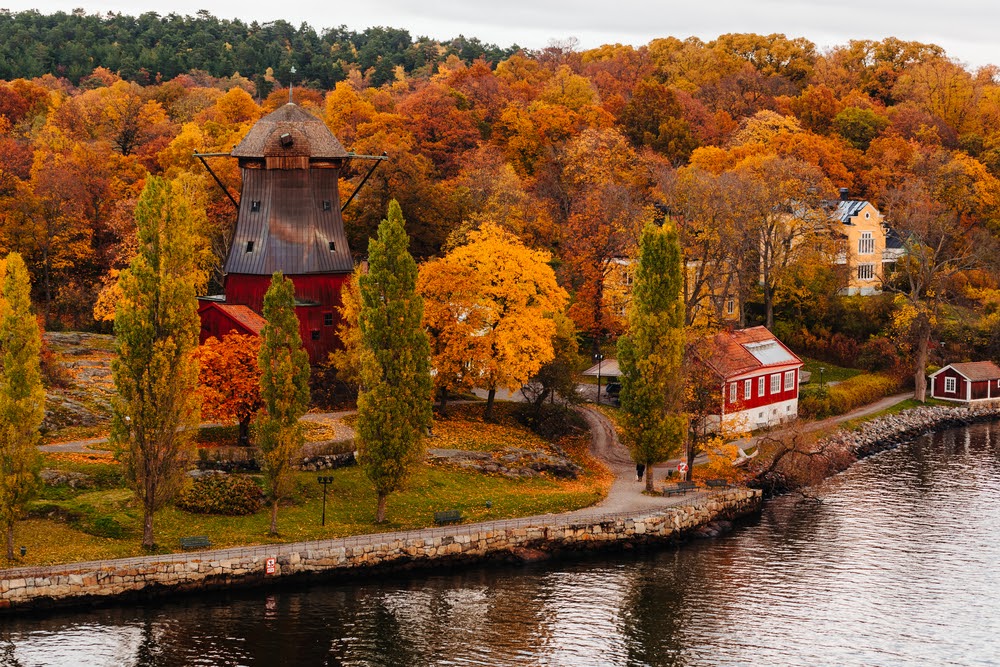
x=760 y=378
x=967 y=383
x=289 y=220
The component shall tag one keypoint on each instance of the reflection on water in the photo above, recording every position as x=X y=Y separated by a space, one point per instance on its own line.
x=895 y=565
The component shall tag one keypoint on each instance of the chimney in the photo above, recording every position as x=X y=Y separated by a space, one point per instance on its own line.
x=844 y=194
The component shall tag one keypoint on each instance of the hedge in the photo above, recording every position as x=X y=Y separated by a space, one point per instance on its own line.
x=232 y=495
x=847 y=395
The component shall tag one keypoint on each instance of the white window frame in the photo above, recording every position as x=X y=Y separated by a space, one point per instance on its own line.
x=951 y=385
x=747 y=390
x=732 y=392
x=866 y=271
x=730 y=306
x=789 y=380
x=866 y=244
x=760 y=386
x=776 y=383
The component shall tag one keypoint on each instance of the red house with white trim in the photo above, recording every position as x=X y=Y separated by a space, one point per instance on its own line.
x=760 y=378
x=967 y=383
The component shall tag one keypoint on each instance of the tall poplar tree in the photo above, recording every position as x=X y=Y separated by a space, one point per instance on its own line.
x=284 y=387
x=22 y=398
x=394 y=406
x=650 y=356
x=156 y=408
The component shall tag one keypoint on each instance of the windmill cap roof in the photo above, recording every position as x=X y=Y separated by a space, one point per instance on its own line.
x=308 y=135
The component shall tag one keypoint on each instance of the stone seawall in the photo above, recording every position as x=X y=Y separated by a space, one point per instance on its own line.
x=93 y=582
x=893 y=430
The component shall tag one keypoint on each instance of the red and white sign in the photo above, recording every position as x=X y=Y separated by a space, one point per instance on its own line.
x=271 y=566
x=682 y=467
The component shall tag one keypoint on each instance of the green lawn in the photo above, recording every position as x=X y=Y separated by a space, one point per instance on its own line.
x=104 y=521
x=831 y=372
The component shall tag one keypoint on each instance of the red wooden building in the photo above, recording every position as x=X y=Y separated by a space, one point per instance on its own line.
x=759 y=377
x=967 y=383
x=289 y=220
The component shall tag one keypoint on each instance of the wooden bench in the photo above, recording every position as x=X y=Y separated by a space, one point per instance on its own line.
x=195 y=542
x=717 y=483
x=448 y=516
x=679 y=488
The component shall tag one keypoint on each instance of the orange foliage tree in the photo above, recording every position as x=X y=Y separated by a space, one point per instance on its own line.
x=229 y=380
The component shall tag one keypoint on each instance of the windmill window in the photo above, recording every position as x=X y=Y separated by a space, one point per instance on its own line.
x=326 y=204
x=333 y=246
x=249 y=246
x=254 y=205
x=286 y=140
x=315 y=334
x=328 y=319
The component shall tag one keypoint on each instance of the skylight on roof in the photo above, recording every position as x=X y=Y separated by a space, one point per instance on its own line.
x=768 y=352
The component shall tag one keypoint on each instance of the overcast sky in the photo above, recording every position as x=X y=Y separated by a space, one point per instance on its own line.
x=965 y=28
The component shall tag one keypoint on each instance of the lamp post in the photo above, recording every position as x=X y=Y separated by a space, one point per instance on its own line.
x=24 y=550
x=325 y=481
x=599 y=358
x=821 y=369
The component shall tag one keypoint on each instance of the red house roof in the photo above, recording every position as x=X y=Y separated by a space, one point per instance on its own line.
x=975 y=371
x=732 y=353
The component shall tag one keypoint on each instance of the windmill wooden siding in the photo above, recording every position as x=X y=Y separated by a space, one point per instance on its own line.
x=288 y=220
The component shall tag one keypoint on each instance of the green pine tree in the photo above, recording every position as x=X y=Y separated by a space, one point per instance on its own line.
x=156 y=408
x=284 y=388
x=394 y=406
x=650 y=356
x=22 y=398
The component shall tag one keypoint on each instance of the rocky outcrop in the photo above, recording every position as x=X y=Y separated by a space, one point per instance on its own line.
x=511 y=462
x=518 y=540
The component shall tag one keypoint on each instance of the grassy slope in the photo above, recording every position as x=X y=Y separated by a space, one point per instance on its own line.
x=105 y=522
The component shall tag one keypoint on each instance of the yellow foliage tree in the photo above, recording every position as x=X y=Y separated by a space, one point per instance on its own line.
x=501 y=319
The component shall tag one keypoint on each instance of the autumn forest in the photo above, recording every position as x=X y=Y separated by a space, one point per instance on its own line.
x=569 y=151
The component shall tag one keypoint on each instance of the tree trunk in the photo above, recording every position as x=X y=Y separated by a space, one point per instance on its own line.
x=488 y=415
x=649 y=477
x=692 y=451
x=10 y=541
x=243 y=439
x=443 y=405
x=274 y=517
x=147 y=529
x=380 y=513
x=769 y=305
x=920 y=364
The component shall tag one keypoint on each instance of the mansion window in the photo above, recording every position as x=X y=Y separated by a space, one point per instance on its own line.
x=866 y=271
x=760 y=386
x=789 y=380
x=950 y=385
x=866 y=244
x=732 y=392
x=730 y=306
x=776 y=383
x=747 y=384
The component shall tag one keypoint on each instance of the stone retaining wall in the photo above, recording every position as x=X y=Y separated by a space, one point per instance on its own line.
x=891 y=431
x=82 y=583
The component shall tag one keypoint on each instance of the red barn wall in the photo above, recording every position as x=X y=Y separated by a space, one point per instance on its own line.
x=317 y=323
x=215 y=323
x=960 y=386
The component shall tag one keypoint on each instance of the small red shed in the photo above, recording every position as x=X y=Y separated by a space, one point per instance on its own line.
x=967 y=382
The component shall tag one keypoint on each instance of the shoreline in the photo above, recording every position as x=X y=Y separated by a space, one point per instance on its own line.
x=889 y=431
x=524 y=540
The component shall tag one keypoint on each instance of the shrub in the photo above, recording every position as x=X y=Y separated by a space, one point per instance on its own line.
x=847 y=395
x=233 y=495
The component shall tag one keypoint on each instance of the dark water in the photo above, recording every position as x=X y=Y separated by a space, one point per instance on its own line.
x=898 y=564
